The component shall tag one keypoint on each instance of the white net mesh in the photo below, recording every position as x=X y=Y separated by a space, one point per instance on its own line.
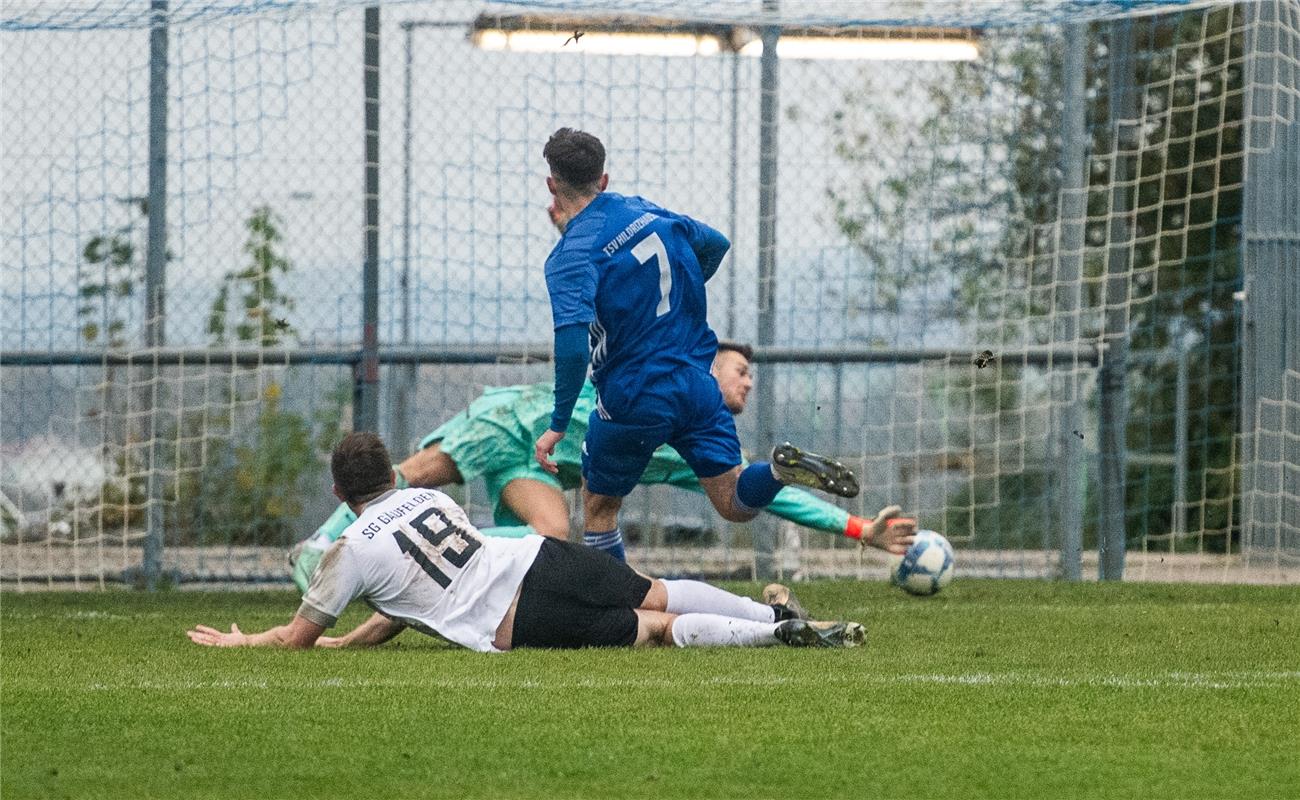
x=1059 y=218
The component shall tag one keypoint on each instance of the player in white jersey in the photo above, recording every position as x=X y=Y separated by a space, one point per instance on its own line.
x=414 y=557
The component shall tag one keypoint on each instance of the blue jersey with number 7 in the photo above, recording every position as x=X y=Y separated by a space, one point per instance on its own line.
x=635 y=272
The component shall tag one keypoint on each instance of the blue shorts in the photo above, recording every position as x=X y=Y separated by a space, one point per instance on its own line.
x=685 y=411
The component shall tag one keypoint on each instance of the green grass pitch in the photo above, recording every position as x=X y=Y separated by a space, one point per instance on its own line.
x=992 y=689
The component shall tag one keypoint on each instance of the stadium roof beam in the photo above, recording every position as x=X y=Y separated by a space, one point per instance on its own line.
x=530 y=33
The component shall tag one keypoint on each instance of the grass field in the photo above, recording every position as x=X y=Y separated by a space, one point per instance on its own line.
x=992 y=689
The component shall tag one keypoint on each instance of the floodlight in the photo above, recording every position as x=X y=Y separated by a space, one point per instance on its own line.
x=632 y=44
x=868 y=48
x=604 y=36
x=647 y=36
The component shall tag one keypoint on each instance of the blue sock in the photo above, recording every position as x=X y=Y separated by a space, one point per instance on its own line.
x=757 y=486
x=609 y=541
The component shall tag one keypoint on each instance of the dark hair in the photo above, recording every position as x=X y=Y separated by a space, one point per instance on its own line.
x=361 y=467
x=737 y=347
x=576 y=158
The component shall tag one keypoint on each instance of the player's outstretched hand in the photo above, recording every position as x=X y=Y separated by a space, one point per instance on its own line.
x=545 y=448
x=891 y=531
x=202 y=634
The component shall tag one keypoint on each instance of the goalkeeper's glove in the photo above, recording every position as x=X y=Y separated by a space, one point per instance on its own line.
x=889 y=530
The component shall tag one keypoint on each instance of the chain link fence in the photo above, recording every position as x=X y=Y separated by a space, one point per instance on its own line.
x=1027 y=275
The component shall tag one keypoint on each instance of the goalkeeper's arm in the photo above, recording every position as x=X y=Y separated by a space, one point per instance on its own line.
x=806 y=509
x=796 y=505
x=888 y=530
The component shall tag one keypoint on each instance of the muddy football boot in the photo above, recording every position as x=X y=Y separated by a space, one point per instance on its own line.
x=805 y=633
x=795 y=466
x=783 y=602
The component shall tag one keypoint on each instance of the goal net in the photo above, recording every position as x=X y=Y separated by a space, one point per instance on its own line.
x=1025 y=270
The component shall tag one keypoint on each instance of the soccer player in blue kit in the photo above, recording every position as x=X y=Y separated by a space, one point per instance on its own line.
x=626 y=282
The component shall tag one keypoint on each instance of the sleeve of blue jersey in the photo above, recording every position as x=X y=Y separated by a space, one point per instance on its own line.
x=710 y=245
x=571 y=282
x=571 y=357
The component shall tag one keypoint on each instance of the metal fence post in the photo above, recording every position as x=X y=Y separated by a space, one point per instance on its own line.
x=365 y=398
x=764 y=527
x=1179 y=515
x=155 y=282
x=733 y=180
x=1112 y=378
x=1270 y=245
x=1069 y=421
x=404 y=386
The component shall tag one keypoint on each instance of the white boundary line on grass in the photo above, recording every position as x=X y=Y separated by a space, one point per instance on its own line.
x=1169 y=680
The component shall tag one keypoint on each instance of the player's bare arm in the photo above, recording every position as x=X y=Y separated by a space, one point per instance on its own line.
x=300 y=634
x=375 y=631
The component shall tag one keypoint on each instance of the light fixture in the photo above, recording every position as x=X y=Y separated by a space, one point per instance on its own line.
x=598 y=42
x=868 y=48
x=603 y=36
x=659 y=37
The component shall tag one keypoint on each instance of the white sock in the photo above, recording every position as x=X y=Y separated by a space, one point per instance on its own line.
x=713 y=630
x=686 y=597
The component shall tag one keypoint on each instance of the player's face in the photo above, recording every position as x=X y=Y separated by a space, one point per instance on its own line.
x=731 y=369
x=556 y=213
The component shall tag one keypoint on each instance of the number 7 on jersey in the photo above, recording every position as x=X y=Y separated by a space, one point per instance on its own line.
x=653 y=247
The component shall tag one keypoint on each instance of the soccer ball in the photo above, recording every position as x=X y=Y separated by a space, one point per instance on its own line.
x=926 y=567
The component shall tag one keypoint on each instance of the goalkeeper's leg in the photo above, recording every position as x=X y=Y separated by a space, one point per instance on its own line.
x=305 y=555
x=528 y=495
x=303 y=559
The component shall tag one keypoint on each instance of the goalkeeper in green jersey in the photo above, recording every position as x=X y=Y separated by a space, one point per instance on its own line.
x=493 y=439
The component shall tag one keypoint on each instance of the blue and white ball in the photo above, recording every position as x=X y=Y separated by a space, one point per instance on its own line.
x=926 y=567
